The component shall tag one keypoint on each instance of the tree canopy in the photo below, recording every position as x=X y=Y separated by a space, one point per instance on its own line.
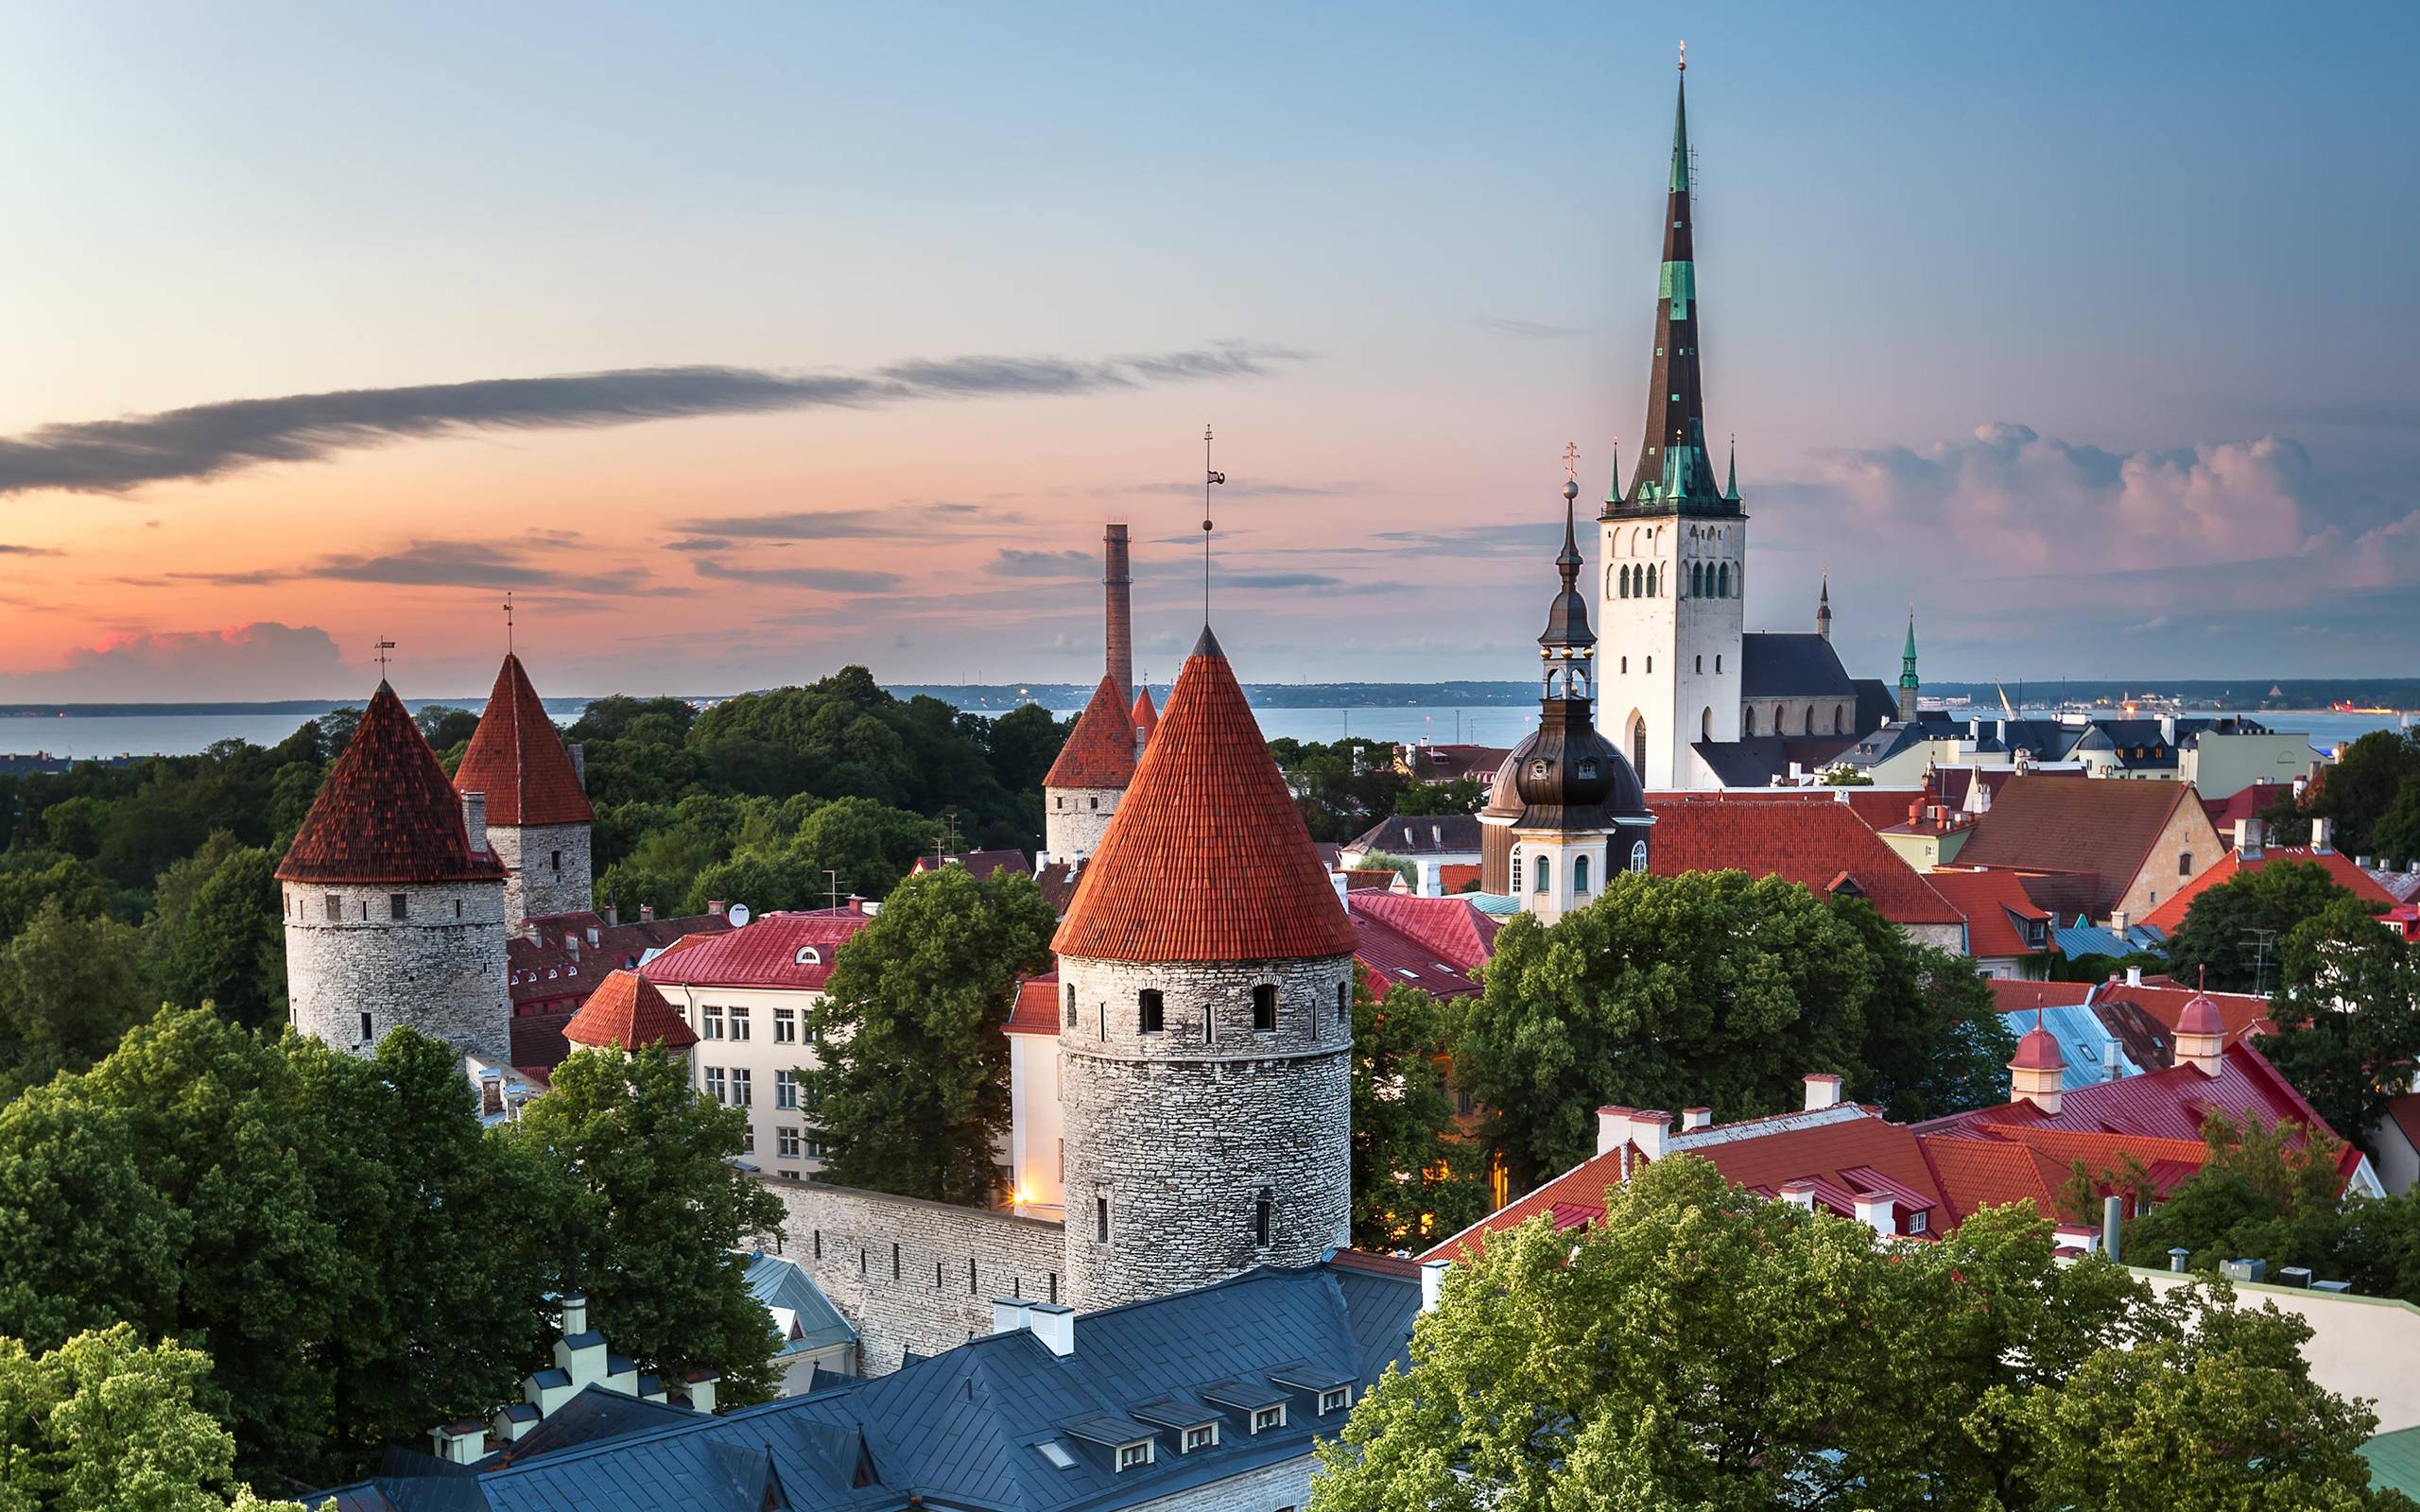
x=2348 y=1016
x=912 y=1089
x=1413 y=1178
x=1704 y=1347
x=2235 y=931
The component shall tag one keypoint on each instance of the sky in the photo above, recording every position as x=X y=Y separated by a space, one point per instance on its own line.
x=739 y=343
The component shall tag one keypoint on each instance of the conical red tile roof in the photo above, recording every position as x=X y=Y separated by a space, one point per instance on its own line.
x=1100 y=749
x=517 y=759
x=386 y=811
x=627 y=1010
x=1207 y=859
x=1144 y=718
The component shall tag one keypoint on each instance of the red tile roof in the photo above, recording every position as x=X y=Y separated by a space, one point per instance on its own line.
x=387 y=813
x=1821 y=846
x=2339 y=866
x=1452 y=927
x=778 y=949
x=1100 y=749
x=2243 y=803
x=1207 y=859
x=2170 y=1104
x=1455 y=877
x=1391 y=958
x=626 y=1010
x=1995 y=903
x=2241 y=1013
x=1037 y=1005
x=1364 y=878
x=553 y=961
x=2009 y=994
x=1880 y=807
x=516 y=757
x=2404 y=1112
x=2103 y=827
x=1143 y=716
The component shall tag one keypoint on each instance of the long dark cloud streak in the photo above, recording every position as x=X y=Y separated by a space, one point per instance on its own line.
x=212 y=440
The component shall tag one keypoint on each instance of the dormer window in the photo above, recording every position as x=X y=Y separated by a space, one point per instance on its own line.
x=1336 y=1399
x=1134 y=1456
x=809 y=956
x=1920 y=1220
x=1204 y=1436
x=1587 y=769
x=1265 y=1418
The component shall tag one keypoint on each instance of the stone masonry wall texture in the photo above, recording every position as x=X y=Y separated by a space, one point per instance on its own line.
x=898 y=1268
x=542 y=889
x=1075 y=830
x=438 y=969
x=1182 y=1128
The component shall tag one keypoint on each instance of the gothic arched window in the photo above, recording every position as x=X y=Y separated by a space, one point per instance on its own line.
x=1638 y=856
x=1722 y=581
x=1705 y=724
x=1697 y=579
x=1579 y=874
x=1624 y=575
x=1638 y=747
x=1651 y=580
x=1751 y=716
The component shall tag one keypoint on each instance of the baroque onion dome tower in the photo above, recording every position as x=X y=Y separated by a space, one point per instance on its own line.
x=393 y=902
x=1206 y=1019
x=1565 y=805
x=1083 y=787
x=537 y=804
x=1675 y=549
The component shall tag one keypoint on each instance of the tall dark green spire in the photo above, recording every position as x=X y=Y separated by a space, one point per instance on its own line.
x=1675 y=470
x=1908 y=684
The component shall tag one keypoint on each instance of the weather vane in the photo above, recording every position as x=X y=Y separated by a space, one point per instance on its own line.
x=1209 y=476
x=1571 y=460
x=1685 y=56
x=508 y=622
x=383 y=646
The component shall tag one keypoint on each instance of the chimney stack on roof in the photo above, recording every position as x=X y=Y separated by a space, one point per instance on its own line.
x=578 y=751
x=475 y=821
x=1875 y=1210
x=460 y=1443
x=2247 y=840
x=1648 y=1128
x=1119 y=584
x=647 y=913
x=1696 y=1118
x=1613 y=1128
x=1432 y=1282
x=1054 y=1324
x=1823 y=1091
x=2322 y=835
x=1799 y=1194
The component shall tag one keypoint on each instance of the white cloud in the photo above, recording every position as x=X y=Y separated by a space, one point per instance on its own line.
x=262 y=660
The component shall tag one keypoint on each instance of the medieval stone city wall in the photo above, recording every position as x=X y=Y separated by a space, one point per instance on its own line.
x=1075 y=819
x=440 y=969
x=914 y=1275
x=541 y=888
x=1181 y=1129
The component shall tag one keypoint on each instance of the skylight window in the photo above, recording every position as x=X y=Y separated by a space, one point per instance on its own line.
x=1056 y=1453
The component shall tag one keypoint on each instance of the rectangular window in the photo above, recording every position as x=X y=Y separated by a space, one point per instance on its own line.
x=366 y=1035
x=1265 y=1418
x=786 y=1143
x=556 y=858
x=740 y=1023
x=1263 y=1007
x=814 y=1149
x=1131 y=1456
x=335 y=909
x=1334 y=1398
x=1263 y=1215
x=717 y=1087
x=747 y=1139
x=2184 y=865
x=785 y=1089
x=1155 y=1010
x=1206 y=1437
x=398 y=906
x=711 y=1029
x=784 y=1027
x=1100 y=1219
x=743 y=1091
x=457 y=907
x=1919 y=1221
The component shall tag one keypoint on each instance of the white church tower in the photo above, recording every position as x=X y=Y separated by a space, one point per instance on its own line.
x=1674 y=550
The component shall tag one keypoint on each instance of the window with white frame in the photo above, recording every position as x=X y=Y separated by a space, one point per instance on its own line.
x=1204 y=1436
x=1265 y=1418
x=743 y=1089
x=1334 y=1398
x=785 y=1089
x=709 y=1027
x=717 y=1085
x=1133 y=1456
x=738 y=1022
x=784 y=1027
x=786 y=1143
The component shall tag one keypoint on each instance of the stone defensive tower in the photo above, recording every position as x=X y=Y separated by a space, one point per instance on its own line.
x=393 y=902
x=1083 y=787
x=537 y=804
x=1206 y=971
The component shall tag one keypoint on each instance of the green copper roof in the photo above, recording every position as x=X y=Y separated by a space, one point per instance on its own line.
x=1907 y=657
x=1681 y=140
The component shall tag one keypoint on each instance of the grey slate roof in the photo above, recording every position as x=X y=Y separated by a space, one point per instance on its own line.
x=1426 y=836
x=777 y=1283
x=1791 y=664
x=961 y=1430
x=1877 y=704
x=1756 y=761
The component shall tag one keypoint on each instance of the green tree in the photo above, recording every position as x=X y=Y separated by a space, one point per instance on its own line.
x=445 y=727
x=105 y=1423
x=2398 y=836
x=69 y=988
x=1706 y=988
x=2221 y=932
x=913 y=1089
x=2348 y=1016
x=2358 y=790
x=1934 y=1041
x=870 y=845
x=2266 y=1191
x=1461 y=795
x=230 y=947
x=1023 y=743
x=1343 y=788
x=1403 y=866
x=1412 y=1179
x=663 y=1210
x=1704 y=1348
x=85 y=1239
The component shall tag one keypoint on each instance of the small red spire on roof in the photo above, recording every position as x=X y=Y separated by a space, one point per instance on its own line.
x=626 y=1010
x=1207 y=859
x=2201 y=1015
x=1100 y=749
x=2038 y=1050
x=1144 y=718
x=517 y=759
x=385 y=812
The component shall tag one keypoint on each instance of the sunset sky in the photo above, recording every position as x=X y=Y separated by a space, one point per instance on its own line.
x=741 y=342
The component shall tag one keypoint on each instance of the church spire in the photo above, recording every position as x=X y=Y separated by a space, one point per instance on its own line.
x=1908 y=684
x=1823 y=609
x=1675 y=471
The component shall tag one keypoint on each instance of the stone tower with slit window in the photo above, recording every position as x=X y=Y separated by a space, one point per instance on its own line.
x=536 y=798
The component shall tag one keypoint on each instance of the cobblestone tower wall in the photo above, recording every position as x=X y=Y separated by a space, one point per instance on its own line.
x=542 y=887
x=1071 y=825
x=440 y=969
x=1181 y=1130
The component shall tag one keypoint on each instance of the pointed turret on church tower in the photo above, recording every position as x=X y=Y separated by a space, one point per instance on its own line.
x=1675 y=548
x=1823 y=609
x=1565 y=807
x=1908 y=683
x=1206 y=971
x=538 y=812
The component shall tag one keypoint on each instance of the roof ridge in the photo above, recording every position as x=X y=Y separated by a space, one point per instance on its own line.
x=517 y=758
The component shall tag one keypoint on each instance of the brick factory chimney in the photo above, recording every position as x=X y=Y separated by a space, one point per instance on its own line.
x=1120 y=585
